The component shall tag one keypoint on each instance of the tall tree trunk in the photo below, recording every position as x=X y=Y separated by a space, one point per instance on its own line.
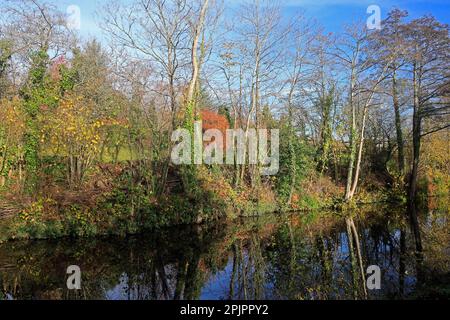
x=352 y=138
x=351 y=161
x=398 y=125
x=415 y=165
x=291 y=138
x=194 y=52
x=358 y=161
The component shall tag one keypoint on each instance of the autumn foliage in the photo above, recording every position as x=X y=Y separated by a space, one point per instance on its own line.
x=213 y=120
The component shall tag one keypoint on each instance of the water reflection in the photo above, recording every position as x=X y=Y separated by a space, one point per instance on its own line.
x=273 y=257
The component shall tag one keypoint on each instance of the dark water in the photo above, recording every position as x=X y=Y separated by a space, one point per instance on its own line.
x=272 y=257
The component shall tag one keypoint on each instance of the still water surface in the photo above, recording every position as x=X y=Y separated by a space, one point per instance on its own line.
x=271 y=257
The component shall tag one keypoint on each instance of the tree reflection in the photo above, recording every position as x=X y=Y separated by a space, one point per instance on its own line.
x=276 y=257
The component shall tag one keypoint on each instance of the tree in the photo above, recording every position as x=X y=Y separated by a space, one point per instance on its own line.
x=365 y=74
x=299 y=73
x=257 y=42
x=38 y=93
x=428 y=60
x=391 y=45
x=166 y=34
x=5 y=60
x=35 y=31
x=74 y=131
x=34 y=26
x=12 y=129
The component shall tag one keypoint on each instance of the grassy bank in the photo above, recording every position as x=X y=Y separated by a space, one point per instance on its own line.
x=114 y=204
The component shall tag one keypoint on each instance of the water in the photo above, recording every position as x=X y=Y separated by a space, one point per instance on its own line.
x=272 y=257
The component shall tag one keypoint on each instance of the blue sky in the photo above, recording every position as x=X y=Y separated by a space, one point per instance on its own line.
x=331 y=14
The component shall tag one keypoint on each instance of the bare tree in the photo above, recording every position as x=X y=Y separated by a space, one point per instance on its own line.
x=167 y=35
x=258 y=40
x=34 y=25
x=365 y=77
x=299 y=71
x=428 y=59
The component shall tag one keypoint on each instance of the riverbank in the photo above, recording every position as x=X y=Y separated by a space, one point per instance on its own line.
x=109 y=204
x=112 y=203
x=41 y=220
x=47 y=219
